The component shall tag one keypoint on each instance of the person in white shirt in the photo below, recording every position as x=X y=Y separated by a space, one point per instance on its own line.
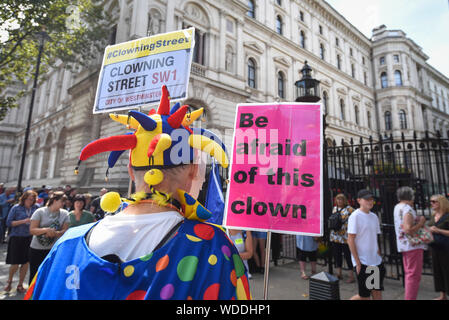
x=407 y=222
x=363 y=228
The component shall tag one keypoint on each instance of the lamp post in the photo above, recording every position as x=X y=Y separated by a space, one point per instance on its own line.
x=41 y=36
x=308 y=90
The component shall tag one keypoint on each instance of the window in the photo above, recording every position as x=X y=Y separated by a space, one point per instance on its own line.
x=337 y=42
x=251 y=73
x=279 y=3
x=338 y=62
x=279 y=24
x=302 y=39
x=387 y=117
x=402 y=119
x=301 y=16
x=281 y=91
x=342 y=110
x=363 y=60
x=199 y=52
x=382 y=60
x=357 y=115
x=365 y=78
x=325 y=101
x=322 y=51
x=350 y=52
x=368 y=117
x=352 y=70
x=396 y=58
x=321 y=29
x=398 y=78
x=252 y=9
x=383 y=80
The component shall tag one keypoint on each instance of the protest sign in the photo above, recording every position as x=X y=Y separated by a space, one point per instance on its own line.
x=133 y=72
x=276 y=169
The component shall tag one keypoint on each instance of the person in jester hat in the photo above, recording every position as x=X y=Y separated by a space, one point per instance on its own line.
x=159 y=247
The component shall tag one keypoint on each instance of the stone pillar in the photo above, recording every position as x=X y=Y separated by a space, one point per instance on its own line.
x=139 y=19
x=40 y=159
x=221 y=54
x=52 y=164
x=30 y=156
x=394 y=116
x=240 y=59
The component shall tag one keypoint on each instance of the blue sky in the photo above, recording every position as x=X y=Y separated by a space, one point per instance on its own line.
x=426 y=22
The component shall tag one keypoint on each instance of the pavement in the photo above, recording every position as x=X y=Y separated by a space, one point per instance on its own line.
x=284 y=283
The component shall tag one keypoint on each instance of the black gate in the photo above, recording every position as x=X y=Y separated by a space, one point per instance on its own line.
x=383 y=166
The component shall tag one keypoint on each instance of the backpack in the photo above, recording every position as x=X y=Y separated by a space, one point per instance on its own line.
x=335 y=222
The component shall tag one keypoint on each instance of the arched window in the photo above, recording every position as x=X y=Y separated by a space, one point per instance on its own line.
x=398 y=78
x=387 y=116
x=281 y=85
x=322 y=51
x=342 y=110
x=338 y=62
x=325 y=101
x=302 y=39
x=251 y=73
x=279 y=24
x=199 y=52
x=252 y=9
x=402 y=119
x=383 y=80
x=357 y=114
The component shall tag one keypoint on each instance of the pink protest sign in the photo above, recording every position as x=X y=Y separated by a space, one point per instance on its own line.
x=276 y=169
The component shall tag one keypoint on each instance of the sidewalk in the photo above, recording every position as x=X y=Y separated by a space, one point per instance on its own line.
x=284 y=283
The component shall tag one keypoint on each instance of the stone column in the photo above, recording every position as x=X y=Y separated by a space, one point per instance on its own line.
x=30 y=162
x=52 y=164
x=40 y=159
x=221 y=54
x=139 y=19
x=240 y=59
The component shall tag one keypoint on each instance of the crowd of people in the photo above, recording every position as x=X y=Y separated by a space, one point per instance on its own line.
x=32 y=221
x=356 y=239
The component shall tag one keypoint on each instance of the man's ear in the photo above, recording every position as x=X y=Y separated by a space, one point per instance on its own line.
x=131 y=173
x=193 y=171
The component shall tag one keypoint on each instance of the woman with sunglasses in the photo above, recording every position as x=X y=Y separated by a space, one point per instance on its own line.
x=439 y=225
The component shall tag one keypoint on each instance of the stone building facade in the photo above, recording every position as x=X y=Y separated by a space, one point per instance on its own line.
x=246 y=51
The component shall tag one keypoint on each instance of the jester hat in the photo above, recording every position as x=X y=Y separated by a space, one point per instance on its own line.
x=161 y=139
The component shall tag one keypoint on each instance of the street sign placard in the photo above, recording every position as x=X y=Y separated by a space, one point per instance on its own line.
x=133 y=72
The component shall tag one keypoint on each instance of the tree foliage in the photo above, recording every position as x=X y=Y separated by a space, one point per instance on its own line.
x=79 y=31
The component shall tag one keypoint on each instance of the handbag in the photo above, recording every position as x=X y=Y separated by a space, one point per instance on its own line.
x=422 y=236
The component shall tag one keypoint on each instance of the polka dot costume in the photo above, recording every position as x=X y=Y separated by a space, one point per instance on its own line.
x=198 y=263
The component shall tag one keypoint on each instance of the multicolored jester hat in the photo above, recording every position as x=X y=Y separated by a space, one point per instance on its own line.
x=161 y=139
